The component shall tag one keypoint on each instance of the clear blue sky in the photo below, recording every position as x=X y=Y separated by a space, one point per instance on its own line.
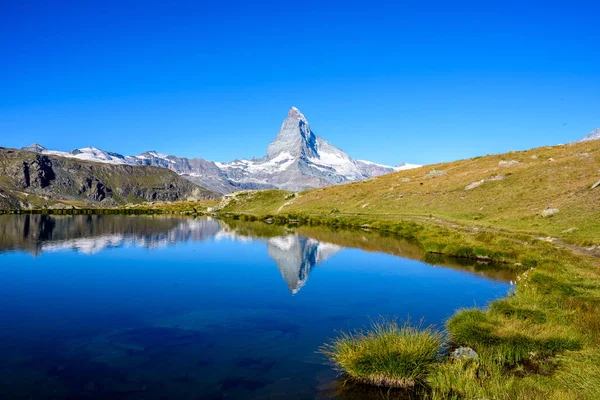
x=416 y=81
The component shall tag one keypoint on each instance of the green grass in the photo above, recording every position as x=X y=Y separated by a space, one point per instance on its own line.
x=542 y=341
x=514 y=203
x=387 y=354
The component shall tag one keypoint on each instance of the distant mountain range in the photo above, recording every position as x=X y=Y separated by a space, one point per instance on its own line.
x=34 y=180
x=296 y=160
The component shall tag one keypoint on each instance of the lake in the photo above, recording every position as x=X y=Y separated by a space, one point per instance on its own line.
x=123 y=307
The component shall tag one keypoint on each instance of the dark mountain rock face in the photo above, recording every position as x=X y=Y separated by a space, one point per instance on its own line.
x=28 y=178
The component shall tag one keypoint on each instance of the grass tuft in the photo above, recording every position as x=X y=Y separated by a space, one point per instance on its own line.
x=386 y=354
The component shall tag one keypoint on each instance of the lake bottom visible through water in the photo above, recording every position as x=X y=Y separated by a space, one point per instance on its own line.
x=117 y=307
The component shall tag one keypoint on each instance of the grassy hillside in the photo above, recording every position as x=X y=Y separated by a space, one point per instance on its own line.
x=508 y=191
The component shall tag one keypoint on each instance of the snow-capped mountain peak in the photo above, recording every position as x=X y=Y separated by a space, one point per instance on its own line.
x=593 y=135
x=296 y=160
x=295 y=137
x=35 y=147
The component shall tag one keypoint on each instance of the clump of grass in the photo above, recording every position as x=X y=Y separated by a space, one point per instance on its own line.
x=510 y=345
x=387 y=354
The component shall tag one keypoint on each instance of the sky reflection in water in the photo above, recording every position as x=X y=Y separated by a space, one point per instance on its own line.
x=149 y=308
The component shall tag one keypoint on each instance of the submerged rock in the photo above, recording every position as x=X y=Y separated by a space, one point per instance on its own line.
x=464 y=353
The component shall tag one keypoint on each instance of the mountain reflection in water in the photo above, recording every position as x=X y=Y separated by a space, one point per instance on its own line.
x=152 y=307
x=295 y=254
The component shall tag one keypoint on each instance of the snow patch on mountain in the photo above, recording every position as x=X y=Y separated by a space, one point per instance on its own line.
x=593 y=135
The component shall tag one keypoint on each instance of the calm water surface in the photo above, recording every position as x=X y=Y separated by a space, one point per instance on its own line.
x=118 y=307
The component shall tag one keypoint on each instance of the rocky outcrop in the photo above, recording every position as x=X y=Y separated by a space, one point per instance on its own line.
x=435 y=174
x=510 y=163
x=548 y=212
x=464 y=353
x=28 y=178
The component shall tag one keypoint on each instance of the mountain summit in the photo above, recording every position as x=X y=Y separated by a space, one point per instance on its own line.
x=294 y=138
x=296 y=160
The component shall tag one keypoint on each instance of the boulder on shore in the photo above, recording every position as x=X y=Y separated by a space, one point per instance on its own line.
x=464 y=353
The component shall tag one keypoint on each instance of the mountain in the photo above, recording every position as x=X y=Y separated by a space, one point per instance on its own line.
x=30 y=179
x=296 y=256
x=593 y=135
x=296 y=160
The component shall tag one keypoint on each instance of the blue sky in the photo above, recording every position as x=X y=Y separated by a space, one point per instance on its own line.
x=416 y=81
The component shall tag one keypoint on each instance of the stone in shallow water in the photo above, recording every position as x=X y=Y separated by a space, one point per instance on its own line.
x=464 y=353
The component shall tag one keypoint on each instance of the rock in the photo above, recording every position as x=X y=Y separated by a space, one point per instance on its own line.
x=464 y=353
x=595 y=185
x=569 y=230
x=510 y=163
x=551 y=159
x=405 y=180
x=478 y=183
x=58 y=206
x=534 y=157
x=496 y=178
x=435 y=173
x=582 y=155
x=474 y=185
x=548 y=212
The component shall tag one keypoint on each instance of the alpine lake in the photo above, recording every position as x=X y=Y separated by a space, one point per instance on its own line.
x=154 y=307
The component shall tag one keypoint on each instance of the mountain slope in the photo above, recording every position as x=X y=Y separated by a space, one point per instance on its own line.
x=31 y=179
x=517 y=191
x=296 y=160
x=593 y=135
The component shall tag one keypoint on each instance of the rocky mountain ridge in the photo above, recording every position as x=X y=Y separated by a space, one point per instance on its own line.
x=32 y=179
x=296 y=160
